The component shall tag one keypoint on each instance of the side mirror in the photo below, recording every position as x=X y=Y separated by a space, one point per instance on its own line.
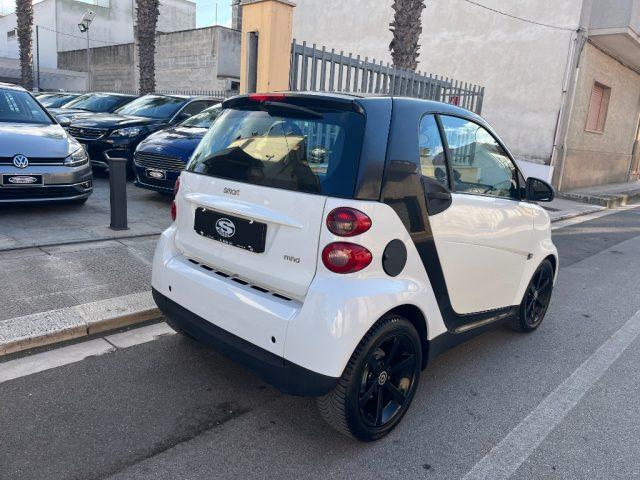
x=539 y=190
x=64 y=122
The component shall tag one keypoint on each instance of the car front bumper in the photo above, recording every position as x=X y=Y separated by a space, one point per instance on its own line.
x=159 y=185
x=60 y=184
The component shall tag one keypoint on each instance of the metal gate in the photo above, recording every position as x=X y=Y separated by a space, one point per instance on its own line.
x=315 y=69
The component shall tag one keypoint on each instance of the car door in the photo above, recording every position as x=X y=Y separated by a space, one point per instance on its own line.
x=481 y=228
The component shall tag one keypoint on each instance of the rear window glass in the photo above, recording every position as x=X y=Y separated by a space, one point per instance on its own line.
x=316 y=154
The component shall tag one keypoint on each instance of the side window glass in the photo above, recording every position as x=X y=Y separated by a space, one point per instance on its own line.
x=479 y=164
x=432 y=159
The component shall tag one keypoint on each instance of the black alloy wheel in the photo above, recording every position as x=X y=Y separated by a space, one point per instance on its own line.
x=378 y=383
x=536 y=299
x=387 y=379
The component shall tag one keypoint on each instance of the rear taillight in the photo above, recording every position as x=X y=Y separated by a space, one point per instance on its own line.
x=266 y=97
x=174 y=209
x=347 y=222
x=342 y=257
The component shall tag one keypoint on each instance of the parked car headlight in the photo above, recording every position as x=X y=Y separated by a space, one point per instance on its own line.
x=128 y=132
x=79 y=157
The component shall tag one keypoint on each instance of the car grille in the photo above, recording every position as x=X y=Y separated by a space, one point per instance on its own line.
x=34 y=161
x=159 y=161
x=88 y=133
x=19 y=193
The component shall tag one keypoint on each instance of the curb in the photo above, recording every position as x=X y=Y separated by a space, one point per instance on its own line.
x=570 y=215
x=604 y=200
x=54 y=326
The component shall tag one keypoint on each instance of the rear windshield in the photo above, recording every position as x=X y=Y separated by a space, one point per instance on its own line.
x=316 y=154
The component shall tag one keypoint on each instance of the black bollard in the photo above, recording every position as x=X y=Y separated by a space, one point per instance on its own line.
x=118 y=192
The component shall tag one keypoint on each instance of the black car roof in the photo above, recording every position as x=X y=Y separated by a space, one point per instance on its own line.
x=429 y=105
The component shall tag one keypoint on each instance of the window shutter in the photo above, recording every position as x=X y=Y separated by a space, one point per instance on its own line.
x=595 y=108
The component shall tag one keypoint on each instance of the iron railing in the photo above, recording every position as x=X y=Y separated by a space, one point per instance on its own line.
x=219 y=94
x=319 y=69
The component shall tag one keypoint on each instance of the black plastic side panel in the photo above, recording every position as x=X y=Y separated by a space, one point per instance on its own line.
x=402 y=190
x=374 y=147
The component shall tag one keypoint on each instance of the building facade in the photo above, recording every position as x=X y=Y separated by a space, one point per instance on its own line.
x=562 y=79
x=57 y=26
x=201 y=59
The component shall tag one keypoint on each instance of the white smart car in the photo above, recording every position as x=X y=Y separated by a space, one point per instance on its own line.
x=333 y=244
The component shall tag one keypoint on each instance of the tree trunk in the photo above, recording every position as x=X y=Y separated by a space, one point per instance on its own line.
x=24 y=16
x=147 y=20
x=406 y=28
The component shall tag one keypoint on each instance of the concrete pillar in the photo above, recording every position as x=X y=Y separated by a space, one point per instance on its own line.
x=271 y=20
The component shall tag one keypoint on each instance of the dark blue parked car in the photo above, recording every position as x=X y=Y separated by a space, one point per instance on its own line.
x=161 y=157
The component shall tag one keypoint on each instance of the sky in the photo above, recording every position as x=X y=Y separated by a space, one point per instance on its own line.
x=206 y=12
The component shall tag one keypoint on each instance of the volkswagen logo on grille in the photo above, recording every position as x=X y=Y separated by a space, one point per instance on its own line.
x=21 y=161
x=225 y=228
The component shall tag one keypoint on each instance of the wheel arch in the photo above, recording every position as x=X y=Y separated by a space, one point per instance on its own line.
x=554 y=263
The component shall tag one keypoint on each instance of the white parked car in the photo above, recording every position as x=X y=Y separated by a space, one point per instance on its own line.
x=340 y=279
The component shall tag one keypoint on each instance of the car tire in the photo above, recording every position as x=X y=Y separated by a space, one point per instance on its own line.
x=379 y=381
x=80 y=201
x=536 y=299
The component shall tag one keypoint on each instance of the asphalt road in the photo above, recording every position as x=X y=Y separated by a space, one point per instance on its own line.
x=552 y=404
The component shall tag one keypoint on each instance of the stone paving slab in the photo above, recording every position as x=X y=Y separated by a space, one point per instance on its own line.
x=24 y=226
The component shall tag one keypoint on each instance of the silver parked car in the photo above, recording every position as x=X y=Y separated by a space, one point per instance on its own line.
x=39 y=161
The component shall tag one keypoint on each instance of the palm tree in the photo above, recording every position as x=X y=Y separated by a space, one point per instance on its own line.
x=24 y=16
x=147 y=20
x=406 y=28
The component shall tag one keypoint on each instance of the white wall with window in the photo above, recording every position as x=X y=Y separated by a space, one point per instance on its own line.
x=114 y=23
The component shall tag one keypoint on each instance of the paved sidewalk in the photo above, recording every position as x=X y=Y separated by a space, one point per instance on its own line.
x=609 y=196
x=28 y=226
x=562 y=209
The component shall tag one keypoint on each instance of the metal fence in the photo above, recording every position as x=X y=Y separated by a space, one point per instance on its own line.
x=219 y=94
x=318 y=69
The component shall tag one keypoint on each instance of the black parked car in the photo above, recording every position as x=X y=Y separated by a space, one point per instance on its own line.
x=118 y=134
x=160 y=158
x=90 y=103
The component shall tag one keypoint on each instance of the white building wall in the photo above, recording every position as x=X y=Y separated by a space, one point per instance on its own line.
x=45 y=14
x=112 y=25
x=521 y=65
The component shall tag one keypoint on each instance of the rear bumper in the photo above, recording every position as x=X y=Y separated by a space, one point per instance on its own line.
x=273 y=369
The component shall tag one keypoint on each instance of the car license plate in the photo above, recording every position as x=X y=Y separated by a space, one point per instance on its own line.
x=156 y=174
x=238 y=232
x=23 y=180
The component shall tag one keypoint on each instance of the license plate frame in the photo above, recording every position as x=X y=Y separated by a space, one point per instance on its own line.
x=248 y=235
x=161 y=174
x=6 y=182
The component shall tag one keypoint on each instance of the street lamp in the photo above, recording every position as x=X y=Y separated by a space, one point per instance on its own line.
x=85 y=23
